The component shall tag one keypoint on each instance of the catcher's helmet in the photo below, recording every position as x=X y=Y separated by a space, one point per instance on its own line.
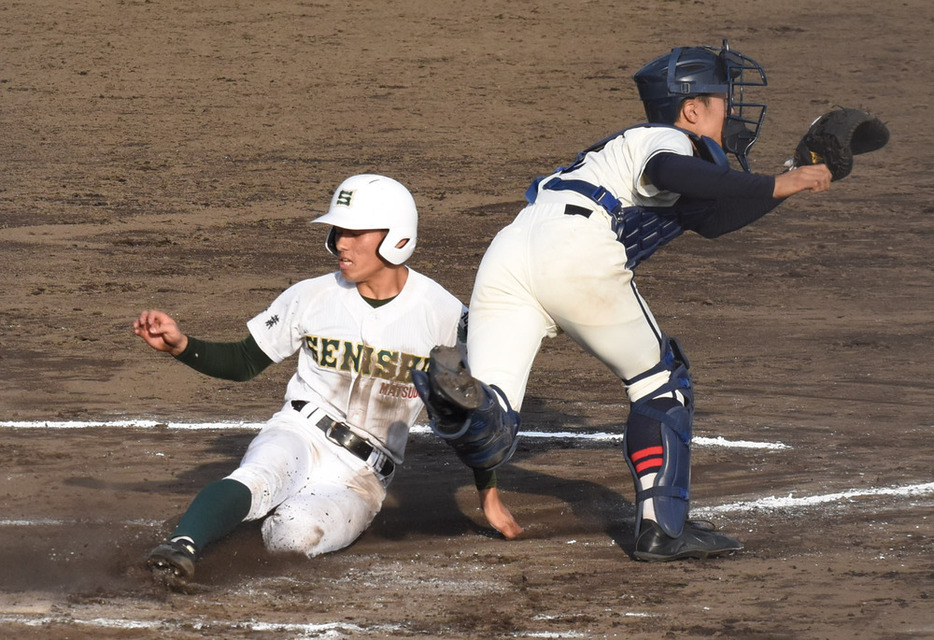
x=370 y=201
x=686 y=72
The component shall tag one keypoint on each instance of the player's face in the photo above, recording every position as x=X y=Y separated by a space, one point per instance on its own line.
x=711 y=116
x=358 y=255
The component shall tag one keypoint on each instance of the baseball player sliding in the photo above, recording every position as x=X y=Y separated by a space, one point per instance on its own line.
x=319 y=468
x=566 y=264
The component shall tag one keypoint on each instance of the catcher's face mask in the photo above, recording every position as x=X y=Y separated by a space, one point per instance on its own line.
x=687 y=72
x=744 y=119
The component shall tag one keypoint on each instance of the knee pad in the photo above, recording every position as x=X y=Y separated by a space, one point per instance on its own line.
x=444 y=417
x=676 y=364
x=448 y=390
x=488 y=438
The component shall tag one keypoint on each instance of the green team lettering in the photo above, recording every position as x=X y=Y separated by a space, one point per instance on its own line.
x=352 y=355
x=364 y=360
x=386 y=364
x=330 y=350
x=407 y=363
x=311 y=342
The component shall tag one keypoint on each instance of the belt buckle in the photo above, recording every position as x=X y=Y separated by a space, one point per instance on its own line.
x=327 y=424
x=329 y=433
x=379 y=461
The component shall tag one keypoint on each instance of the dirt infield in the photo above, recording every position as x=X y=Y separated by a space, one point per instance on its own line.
x=170 y=155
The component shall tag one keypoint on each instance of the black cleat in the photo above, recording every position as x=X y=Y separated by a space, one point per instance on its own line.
x=173 y=559
x=698 y=540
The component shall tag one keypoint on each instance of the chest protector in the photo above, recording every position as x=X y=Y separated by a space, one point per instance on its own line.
x=641 y=230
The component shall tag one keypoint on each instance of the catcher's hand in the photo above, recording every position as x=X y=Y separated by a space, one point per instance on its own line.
x=835 y=137
x=497 y=514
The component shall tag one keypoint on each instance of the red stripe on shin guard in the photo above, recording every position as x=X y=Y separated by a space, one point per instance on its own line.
x=648 y=459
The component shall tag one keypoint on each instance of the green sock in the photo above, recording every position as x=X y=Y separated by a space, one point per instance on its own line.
x=215 y=512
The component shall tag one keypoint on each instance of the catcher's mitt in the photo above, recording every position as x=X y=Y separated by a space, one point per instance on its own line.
x=835 y=137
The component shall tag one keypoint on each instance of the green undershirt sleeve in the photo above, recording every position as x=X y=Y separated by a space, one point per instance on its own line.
x=238 y=361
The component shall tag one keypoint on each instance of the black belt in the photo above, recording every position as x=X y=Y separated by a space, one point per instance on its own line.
x=574 y=210
x=340 y=433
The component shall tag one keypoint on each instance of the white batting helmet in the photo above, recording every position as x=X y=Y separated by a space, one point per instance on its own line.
x=370 y=201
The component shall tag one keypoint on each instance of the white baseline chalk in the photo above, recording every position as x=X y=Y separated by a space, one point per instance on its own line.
x=419 y=429
x=775 y=503
x=130 y=424
x=768 y=503
x=305 y=629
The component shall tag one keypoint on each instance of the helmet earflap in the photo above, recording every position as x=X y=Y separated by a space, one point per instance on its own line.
x=370 y=201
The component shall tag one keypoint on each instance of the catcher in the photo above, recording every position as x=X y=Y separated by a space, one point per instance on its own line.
x=566 y=263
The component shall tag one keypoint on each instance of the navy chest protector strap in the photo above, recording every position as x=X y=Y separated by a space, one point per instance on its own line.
x=641 y=230
x=704 y=147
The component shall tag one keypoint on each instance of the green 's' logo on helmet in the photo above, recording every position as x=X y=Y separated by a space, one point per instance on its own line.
x=344 y=197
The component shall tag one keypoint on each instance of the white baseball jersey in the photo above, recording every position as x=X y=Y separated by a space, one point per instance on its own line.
x=354 y=360
x=619 y=165
x=354 y=366
x=549 y=271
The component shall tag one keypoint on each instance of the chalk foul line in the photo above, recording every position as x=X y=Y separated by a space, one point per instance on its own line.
x=775 y=503
x=419 y=429
x=768 y=503
x=306 y=629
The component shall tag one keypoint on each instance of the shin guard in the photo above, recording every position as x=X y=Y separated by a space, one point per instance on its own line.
x=670 y=460
x=465 y=412
x=670 y=490
x=448 y=390
x=444 y=417
x=490 y=435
